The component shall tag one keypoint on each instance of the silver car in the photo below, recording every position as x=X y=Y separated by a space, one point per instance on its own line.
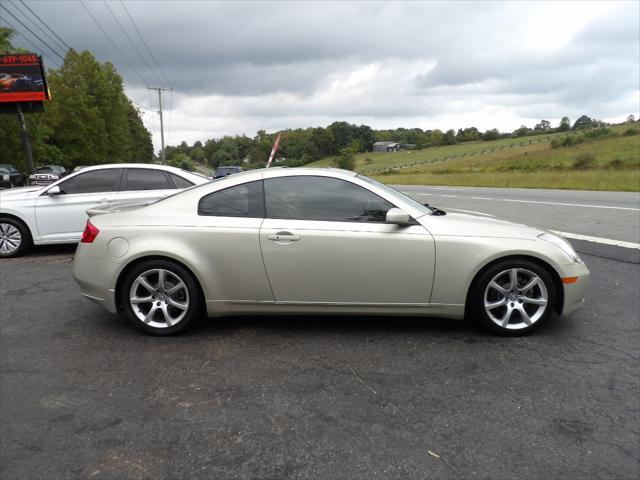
x=320 y=241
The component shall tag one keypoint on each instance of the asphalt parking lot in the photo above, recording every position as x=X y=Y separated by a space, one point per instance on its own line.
x=84 y=394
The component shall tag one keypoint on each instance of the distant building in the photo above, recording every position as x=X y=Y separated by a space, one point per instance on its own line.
x=386 y=147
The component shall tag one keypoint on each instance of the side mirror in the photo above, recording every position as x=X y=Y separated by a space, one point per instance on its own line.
x=398 y=217
x=54 y=191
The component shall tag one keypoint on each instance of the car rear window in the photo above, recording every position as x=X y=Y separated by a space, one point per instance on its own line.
x=244 y=200
x=180 y=182
x=146 y=179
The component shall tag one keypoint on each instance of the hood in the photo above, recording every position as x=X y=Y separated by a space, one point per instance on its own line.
x=474 y=226
x=20 y=193
x=115 y=208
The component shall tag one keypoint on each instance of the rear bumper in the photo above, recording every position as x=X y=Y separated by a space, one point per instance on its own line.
x=574 y=293
x=96 y=278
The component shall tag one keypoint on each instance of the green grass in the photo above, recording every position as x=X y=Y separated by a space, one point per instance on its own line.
x=612 y=163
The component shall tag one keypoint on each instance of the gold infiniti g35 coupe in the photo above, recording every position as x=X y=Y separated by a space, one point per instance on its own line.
x=320 y=241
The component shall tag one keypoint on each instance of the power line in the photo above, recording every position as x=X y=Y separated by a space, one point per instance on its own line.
x=145 y=44
x=112 y=42
x=130 y=41
x=36 y=48
x=142 y=106
x=65 y=44
x=40 y=29
x=32 y=32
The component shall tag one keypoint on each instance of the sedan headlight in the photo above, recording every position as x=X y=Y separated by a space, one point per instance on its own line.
x=563 y=245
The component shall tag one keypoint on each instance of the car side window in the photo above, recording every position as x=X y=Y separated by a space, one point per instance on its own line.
x=146 y=179
x=180 y=182
x=244 y=200
x=322 y=199
x=106 y=180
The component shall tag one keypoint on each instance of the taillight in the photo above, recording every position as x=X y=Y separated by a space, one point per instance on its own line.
x=90 y=233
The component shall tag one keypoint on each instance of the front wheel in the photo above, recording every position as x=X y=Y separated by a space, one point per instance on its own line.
x=514 y=297
x=160 y=297
x=15 y=238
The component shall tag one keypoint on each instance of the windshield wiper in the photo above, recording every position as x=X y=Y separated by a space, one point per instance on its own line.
x=437 y=212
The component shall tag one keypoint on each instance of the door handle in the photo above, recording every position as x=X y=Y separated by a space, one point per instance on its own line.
x=284 y=237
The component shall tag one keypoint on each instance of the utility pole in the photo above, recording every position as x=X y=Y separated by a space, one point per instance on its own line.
x=26 y=143
x=160 y=90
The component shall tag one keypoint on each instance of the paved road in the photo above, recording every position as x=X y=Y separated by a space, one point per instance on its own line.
x=613 y=215
x=84 y=395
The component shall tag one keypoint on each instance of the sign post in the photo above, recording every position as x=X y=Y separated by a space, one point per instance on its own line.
x=26 y=142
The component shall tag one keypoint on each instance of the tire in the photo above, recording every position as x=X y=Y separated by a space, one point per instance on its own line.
x=504 y=310
x=172 y=311
x=15 y=238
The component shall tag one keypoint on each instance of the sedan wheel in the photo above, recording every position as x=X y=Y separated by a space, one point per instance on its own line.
x=160 y=297
x=14 y=238
x=514 y=298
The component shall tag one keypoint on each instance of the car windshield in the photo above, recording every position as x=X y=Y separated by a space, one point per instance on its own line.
x=3 y=169
x=227 y=169
x=44 y=169
x=397 y=194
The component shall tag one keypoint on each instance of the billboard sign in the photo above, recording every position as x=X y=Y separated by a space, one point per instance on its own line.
x=22 y=79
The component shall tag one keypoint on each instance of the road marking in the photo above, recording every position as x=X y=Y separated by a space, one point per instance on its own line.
x=606 y=241
x=450 y=196
x=557 y=203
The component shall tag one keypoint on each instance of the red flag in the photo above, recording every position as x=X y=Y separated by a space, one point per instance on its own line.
x=274 y=150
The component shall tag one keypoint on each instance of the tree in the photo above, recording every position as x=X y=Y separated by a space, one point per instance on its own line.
x=565 y=124
x=523 y=131
x=631 y=118
x=583 y=122
x=492 y=134
x=543 y=126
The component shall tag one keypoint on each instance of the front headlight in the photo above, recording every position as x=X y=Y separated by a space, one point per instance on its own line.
x=563 y=245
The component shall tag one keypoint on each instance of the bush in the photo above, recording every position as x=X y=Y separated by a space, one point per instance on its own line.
x=180 y=160
x=598 y=133
x=568 y=141
x=345 y=160
x=584 y=161
x=616 y=164
x=629 y=132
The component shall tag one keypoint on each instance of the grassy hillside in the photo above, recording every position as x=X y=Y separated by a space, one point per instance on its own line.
x=605 y=163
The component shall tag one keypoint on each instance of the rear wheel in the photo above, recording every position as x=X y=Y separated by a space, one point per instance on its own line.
x=15 y=238
x=514 y=297
x=160 y=297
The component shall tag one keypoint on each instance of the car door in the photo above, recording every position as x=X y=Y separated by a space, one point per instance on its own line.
x=325 y=241
x=228 y=232
x=145 y=185
x=63 y=216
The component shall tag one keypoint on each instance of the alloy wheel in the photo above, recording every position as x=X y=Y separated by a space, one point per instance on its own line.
x=10 y=238
x=159 y=298
x=516 y=298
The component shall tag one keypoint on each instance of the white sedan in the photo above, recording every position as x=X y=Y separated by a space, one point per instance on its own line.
x=322 y=241
x=57 y=213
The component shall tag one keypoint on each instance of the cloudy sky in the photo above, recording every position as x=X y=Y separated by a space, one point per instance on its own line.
x=236 y=67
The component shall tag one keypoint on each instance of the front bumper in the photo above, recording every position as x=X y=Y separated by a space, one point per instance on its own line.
x=574 y=293
x=96 y=278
